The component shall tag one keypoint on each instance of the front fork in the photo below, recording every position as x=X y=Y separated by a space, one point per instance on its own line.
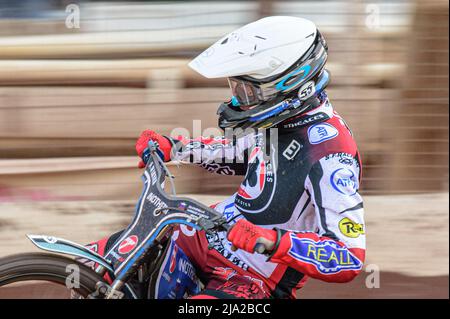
x=105 y=291
x=114 y=291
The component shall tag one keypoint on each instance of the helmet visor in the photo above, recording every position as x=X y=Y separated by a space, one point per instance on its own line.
x=246 y=93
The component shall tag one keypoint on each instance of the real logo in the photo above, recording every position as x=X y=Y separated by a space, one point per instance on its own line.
x=327 y=257
x=350 y=228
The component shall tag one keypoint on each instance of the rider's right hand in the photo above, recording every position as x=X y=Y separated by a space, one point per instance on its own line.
x=246 y=236
x=164 y=146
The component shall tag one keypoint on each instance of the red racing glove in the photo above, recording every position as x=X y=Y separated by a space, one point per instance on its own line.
x=245 y=235
x=164 y=146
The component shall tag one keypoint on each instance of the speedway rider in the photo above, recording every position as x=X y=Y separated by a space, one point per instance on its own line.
x=301 y=201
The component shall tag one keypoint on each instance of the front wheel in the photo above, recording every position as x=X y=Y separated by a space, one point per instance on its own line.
x=40 y=275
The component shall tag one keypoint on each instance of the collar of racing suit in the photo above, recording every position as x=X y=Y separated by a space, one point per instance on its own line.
x=319 y=114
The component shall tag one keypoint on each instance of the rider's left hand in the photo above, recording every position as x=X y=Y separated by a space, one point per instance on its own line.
x=245 y=235
x=164 y=146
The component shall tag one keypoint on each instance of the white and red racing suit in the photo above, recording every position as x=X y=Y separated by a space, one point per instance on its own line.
x=307 y=187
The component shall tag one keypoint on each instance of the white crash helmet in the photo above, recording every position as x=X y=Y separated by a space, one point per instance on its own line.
x=275 y=68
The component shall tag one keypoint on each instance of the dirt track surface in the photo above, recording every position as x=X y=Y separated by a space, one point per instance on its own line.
x=407 y=238
x=392 y=285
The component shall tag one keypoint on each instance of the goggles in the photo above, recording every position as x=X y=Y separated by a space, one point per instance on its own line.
x=246 y=93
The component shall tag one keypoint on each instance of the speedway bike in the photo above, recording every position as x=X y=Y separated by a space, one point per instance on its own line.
x=142 y=262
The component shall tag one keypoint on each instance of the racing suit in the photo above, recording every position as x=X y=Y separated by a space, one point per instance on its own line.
x=304 y=183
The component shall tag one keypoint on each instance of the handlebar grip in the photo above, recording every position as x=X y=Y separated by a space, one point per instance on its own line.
x=260 y=248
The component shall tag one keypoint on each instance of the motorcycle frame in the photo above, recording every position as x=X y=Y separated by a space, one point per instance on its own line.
x=177 y=211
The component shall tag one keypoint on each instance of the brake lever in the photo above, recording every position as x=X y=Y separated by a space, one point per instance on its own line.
x=153 y=148
x=211 y=225
x=206 y=224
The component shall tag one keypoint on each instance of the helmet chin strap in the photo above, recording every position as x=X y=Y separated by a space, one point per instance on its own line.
x=303 y=118
x=291 y=108
x=305 y=106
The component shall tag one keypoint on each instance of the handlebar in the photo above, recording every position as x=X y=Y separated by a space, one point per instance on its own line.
x=260 y=248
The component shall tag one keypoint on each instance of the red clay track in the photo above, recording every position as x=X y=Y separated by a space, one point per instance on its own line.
x=392 y=285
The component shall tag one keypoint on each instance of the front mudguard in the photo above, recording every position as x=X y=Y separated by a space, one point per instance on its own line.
x=66 y=247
